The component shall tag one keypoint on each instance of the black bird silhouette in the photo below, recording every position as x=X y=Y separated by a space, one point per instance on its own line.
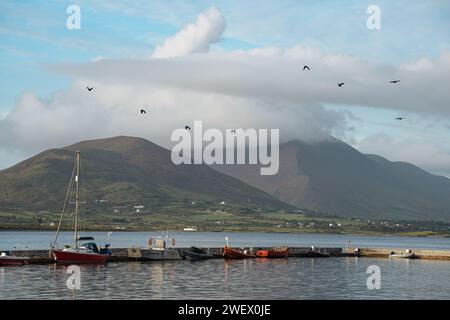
x=143 y=111
x=399 y=118
x=340 y=84
x=306 y=67
x=394 y=81
x=89 y=89
x=187 y=128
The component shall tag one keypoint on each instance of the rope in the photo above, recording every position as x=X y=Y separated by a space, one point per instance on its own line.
x=64 y=208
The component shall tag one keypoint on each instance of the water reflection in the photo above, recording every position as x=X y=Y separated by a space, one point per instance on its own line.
x=293 y=278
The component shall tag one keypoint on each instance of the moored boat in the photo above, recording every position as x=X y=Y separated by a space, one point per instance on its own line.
x=405 y=255
x=11 y=260
x=262 y=253
x=159 y=249
x=281 y=252
x=76 y=253
x=229 y=253
x=194 y=253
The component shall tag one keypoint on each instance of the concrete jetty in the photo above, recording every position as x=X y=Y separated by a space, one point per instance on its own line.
x=122 y=254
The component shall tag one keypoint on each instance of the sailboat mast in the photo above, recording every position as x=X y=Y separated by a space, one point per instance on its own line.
x=77 y=197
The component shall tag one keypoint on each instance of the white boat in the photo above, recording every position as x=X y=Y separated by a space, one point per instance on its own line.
x=408 y=254
x=160 y=248
x=190 y=229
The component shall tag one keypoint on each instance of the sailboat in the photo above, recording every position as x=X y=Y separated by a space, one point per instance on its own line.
x=78 y=253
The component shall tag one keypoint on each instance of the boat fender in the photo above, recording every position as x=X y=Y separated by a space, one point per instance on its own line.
x=173 y=242
x=150 y=241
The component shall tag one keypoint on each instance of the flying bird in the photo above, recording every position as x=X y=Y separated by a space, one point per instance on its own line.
x=340 y=84
x=306 y=67
x=394 y=81
x=399 y=118
x=89 y=89
x=143 y=111
x=187 y=128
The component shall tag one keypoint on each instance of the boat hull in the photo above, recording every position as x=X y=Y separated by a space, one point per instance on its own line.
x=166 y=254
x=229 y=253
x=62 y=256
x=403 y=256
x=278 y=252
x=191 y=255
x=14 y=261
x=262 y=253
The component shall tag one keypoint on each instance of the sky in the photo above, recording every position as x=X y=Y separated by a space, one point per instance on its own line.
x=230 y=64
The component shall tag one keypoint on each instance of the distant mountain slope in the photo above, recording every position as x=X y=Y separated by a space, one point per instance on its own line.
x=121 y=170
x=333 y=177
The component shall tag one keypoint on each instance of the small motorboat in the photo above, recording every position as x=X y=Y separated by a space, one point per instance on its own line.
x=408 y=254
x=194 y=253
x=159 y=249
x=190 y=229
x=281 y=252
x=11 y=260
x=229 y=253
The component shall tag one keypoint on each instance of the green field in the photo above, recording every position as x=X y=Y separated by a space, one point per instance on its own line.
x=219 y=218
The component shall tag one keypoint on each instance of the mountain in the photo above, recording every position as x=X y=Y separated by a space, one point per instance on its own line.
x=334 y=178
x=122 y=171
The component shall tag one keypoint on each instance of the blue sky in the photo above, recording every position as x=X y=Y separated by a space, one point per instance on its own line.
x=33 y=35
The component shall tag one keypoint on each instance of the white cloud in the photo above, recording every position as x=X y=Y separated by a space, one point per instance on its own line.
x=194 y=37
x=425 y=154
x=276 y=74
x=259 y=88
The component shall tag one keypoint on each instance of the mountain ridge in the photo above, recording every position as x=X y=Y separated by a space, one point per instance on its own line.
x=122 y=169
x=333 y=177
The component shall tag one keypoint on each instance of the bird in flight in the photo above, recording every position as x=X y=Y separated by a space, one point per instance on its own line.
x=143 y=111
x=399 y=118
x=89 y=89
x=305 y=68
x=187 y=128
x=340 y=84
x=394 y=81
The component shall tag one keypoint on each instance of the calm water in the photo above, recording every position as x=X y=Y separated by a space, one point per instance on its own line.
x=293 y=278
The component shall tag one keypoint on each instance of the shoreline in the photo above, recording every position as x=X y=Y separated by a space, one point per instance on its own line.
x=415 y=234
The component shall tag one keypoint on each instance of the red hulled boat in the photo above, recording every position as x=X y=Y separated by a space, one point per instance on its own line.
x=78 y=255
x=229 y=253
x=7 y=260
x=84 y=253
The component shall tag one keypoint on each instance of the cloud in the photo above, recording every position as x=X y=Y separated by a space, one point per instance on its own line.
x=194 y=37
x=275 y=74
x=258 y=88
x=425 y=154
x=113 y=109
